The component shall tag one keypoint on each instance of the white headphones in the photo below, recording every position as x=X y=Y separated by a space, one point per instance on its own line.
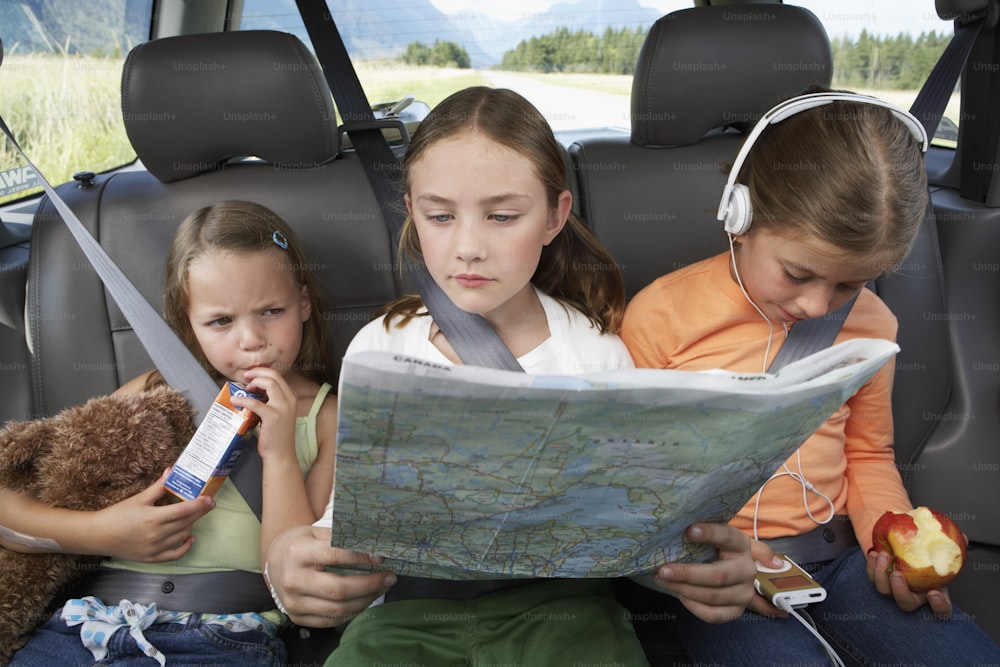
x=734 y=208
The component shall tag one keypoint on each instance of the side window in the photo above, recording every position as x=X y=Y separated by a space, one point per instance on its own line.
x=888 y=52
x=60 y=86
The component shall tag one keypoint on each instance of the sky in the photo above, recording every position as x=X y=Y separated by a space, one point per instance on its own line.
x=840 y=17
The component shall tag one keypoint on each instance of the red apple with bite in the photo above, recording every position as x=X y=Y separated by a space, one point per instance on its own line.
x=925 y=545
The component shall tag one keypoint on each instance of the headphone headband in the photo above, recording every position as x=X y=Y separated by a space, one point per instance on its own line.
x=734 y=207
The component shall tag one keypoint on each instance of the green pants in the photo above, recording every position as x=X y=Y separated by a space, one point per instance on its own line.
x=564 y=623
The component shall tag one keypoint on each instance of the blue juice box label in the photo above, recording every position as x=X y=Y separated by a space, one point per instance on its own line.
x=215 y=447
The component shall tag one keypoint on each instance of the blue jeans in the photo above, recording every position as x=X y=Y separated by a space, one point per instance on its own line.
x=863 y=626
x=184 y=643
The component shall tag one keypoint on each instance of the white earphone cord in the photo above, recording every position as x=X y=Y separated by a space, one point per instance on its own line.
x=806 y=620
x=783 y=604
x=770 y=325
x=806 y=487
x=798 y=477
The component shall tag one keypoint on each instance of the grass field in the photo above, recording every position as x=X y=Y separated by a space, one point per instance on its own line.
x=66 y=111
x=387 y=81
x=615 y=84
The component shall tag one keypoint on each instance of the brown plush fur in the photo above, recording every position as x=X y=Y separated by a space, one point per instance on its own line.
x=86 y=457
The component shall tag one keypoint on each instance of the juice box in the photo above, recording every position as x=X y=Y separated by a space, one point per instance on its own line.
x=215 y=447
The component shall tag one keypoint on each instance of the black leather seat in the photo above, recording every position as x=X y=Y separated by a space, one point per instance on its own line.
x=15 y=402
x=652 y=196
x=216 y=116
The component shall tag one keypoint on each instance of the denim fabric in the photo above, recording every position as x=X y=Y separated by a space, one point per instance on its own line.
x=185 y=643
x=863 y=626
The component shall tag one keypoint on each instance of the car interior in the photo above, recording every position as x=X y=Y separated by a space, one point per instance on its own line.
x=650 y=195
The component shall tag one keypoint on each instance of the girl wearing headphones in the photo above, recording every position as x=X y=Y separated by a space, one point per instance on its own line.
x=836 y=191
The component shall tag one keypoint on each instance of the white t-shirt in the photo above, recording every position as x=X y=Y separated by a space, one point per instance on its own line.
x=574 y=346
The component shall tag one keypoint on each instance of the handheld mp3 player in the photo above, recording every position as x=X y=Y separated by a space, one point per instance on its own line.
x=789 y=586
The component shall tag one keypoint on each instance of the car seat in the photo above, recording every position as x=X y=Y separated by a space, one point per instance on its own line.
x=240 y=115
x=704 y=75
x=15 y=403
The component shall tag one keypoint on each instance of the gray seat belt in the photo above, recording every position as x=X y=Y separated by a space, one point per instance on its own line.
x=474 y=340
x=810 y=336
x=214 y=592
x=933 y=97
x=170 y=356
x=179 y=367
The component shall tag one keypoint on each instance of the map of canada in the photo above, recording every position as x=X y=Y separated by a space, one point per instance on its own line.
x=453 y=472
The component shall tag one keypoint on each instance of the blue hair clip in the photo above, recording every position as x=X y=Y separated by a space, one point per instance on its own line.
x=279 y=240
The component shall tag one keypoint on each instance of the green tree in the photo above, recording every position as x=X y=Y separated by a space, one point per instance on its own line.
x=614 y=51
x=868 y=61
x=441 y=54
x=449 y=54
x=891 y=62
x=416 y=53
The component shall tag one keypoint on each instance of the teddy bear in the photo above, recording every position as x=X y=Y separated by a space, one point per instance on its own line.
x=86 y=457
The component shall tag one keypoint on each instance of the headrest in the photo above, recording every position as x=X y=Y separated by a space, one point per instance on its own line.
x=963 y=11
x=708 y=67
x=192 y=102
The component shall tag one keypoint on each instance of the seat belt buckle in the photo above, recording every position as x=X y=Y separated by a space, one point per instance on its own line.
x=380 y=124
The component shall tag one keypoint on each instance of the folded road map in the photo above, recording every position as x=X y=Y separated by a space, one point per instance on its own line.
x=463 y=472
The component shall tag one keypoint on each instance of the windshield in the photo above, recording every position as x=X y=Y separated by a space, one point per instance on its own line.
x=574 y=60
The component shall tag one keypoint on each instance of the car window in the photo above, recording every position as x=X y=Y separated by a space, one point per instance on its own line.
x=575 y=66
x=60 y=85
x=575 y=61
x=887 y=49
x=60 y=79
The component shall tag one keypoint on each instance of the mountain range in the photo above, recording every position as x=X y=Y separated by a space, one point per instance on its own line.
x=371 y=29
x=378 y=29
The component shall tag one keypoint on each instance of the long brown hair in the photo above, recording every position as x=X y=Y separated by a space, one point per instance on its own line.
x=574 y=268
x=847 y=173
x=242 y=227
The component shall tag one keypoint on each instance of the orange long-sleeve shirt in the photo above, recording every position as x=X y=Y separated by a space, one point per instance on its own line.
x=696 y=318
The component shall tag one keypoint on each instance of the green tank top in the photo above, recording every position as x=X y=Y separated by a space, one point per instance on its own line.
x=227 y=538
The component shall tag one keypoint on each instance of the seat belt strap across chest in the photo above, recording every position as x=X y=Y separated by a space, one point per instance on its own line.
x=169 y=354
x=179 y=367
x=474 y=340
x=810 y=336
